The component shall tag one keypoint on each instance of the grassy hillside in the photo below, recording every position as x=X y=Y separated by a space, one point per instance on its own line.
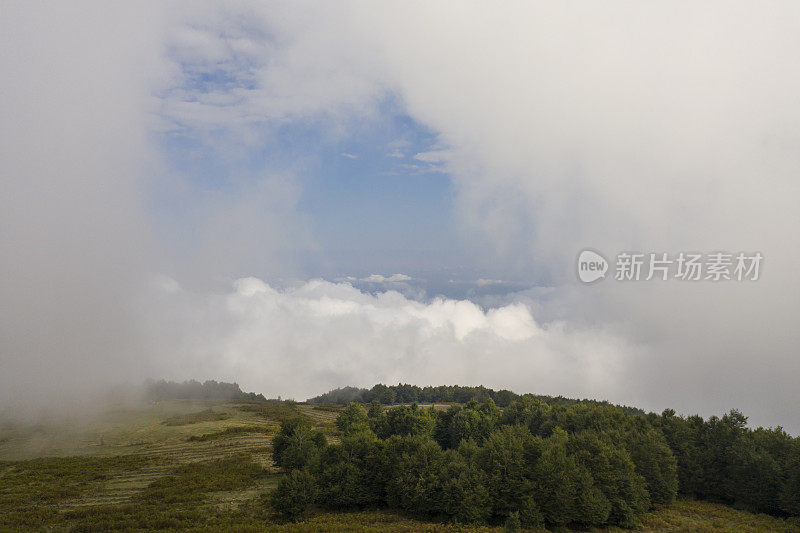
x=206 y=465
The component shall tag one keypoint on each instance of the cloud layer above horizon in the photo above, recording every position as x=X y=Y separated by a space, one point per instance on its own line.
x=298 y=341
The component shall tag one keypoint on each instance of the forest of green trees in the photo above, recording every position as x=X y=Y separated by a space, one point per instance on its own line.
x=535 y=462
x=194 y=390
x=405 y=393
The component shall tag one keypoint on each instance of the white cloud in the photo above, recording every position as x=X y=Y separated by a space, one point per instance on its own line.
x=259 y=65
x=398 y=148
x=349 y=156
x=378 y=278
x=74 y=240
x=433 y=156
x=300 y=341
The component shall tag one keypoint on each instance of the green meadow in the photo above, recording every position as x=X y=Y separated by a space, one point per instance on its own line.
x=207 y=466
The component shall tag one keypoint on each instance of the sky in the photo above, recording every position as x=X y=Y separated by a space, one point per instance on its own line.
x=301 y=196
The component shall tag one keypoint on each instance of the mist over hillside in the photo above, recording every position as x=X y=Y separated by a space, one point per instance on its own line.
x=584 y=214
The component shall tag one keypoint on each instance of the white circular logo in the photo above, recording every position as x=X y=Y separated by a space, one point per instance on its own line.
x=591 y=266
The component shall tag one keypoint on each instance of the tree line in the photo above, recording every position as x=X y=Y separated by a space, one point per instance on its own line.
x=405 y=393
x=533 y=462
x=194 y=390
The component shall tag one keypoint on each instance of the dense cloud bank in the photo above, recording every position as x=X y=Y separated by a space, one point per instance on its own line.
x=296 y=342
